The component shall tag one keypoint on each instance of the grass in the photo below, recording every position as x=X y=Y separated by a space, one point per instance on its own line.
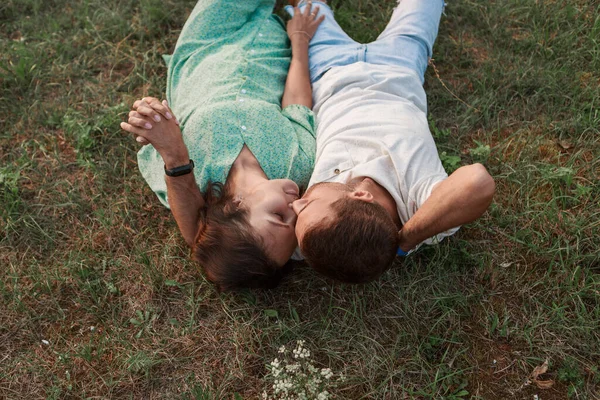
x=98 y=298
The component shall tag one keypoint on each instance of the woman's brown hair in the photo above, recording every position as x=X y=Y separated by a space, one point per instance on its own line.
x=230 y=253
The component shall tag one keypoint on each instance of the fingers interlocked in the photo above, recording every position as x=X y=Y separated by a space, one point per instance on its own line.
x=144 y=114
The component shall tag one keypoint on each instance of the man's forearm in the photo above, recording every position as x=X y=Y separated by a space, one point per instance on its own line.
x=297 y=86
x=458 y=200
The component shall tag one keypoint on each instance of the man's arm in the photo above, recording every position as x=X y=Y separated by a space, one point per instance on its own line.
x=185 y=198
x=300 y=29
x=461 y=198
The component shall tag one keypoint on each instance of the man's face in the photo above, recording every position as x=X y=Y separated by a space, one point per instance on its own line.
x=315 y=206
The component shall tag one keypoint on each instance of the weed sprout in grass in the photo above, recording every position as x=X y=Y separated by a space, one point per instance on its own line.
x=296 y=377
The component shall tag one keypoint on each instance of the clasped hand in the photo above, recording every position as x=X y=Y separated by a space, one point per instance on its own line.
x=152 y=122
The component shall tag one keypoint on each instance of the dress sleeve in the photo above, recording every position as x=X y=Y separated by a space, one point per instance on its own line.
x=303 y=121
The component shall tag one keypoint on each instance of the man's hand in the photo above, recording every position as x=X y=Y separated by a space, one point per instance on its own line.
x=153 y=123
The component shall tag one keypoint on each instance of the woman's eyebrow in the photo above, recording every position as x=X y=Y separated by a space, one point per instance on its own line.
x=280 y=224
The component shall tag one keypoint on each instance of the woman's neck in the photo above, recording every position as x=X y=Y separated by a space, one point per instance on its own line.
x=245 y=173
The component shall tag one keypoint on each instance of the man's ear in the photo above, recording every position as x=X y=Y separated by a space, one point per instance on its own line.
x=362 y=195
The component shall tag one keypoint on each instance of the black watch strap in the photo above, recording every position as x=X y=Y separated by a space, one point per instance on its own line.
x=181 y=170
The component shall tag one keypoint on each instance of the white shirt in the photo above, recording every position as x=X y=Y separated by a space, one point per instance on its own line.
x=371 y=121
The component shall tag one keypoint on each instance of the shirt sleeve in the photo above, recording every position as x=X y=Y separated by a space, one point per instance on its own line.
x=303 y=121
x=417 y=196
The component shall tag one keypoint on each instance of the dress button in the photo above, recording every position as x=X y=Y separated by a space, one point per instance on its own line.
x=241 y=100
x=243 y=91
x=260 y=34
x=336 y=171
x=243 y=127
x=252 y=51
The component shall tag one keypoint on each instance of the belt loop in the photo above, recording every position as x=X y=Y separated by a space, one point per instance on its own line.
x=362 y=53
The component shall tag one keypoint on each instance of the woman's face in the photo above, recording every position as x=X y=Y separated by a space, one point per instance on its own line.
x=272 y=217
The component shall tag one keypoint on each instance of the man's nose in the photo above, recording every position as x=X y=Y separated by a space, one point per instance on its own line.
x=298 y=205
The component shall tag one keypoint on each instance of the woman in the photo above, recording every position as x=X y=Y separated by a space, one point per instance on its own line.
x=244 y=109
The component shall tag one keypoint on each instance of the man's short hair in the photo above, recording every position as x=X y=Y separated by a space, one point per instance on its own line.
x=355 y=246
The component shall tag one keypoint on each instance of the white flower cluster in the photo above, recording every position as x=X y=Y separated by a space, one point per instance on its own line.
x=296 y=378
x=326 y=373
x=300 y=351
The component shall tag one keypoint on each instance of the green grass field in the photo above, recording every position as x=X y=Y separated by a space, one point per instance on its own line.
x=98 y=297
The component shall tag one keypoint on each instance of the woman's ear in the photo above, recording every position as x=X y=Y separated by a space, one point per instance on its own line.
x=199 y=233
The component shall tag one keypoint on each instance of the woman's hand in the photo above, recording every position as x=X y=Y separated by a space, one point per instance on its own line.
x=300 y=29
x=151 y=107
x=153 y=123
x=147 y=111
x=302 y=26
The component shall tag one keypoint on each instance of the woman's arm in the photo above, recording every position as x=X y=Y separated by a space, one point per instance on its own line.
x=458 y=200
x=185 y=198
x=300 y=29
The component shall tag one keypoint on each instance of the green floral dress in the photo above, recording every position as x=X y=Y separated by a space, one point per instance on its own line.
x=225 y=82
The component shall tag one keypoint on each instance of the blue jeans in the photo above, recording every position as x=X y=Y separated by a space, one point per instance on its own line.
x=407 y=40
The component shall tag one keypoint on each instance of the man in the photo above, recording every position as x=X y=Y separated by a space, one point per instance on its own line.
x=379 y=187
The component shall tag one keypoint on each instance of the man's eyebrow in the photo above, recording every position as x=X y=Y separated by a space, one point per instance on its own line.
x=304 y=208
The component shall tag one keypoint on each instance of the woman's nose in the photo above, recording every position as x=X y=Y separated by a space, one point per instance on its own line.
x=298 y=205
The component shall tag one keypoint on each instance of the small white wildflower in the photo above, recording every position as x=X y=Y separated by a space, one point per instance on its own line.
x=326 y=372
x=292 y=367
x=92 y=328
x=264 y=395
x=281 y=350
x=324 y=395
x=301 y=353
x=45 y=342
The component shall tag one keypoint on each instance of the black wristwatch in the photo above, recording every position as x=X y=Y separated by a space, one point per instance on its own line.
x=182 y=170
